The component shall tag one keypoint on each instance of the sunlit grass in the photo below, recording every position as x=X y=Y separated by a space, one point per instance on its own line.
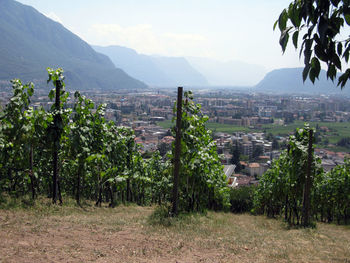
x=91 y=233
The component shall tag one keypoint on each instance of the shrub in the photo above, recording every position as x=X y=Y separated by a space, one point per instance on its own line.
x=241 y=199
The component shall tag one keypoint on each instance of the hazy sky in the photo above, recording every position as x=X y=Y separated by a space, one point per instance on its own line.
x=220 y=29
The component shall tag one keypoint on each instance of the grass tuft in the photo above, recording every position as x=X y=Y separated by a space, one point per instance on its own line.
x=161 y=216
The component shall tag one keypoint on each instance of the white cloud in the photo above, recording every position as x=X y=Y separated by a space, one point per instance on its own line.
x=54 y=17
x=145 y=39
x=185 y=37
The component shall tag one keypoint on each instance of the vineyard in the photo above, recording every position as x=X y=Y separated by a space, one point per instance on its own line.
x=75 y=153
x=281 y=190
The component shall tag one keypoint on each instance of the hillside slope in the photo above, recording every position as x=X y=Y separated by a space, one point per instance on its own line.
x=289 y=80
x=124 y=234
x=30 y=42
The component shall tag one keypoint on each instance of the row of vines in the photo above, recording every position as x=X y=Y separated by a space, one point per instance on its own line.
x=76 y=152
x=281 y=190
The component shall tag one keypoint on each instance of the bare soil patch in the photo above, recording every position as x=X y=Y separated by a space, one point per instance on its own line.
x=123 y=234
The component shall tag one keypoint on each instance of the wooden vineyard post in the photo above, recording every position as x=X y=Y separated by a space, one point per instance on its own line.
x=31 y=173
x=177 y=152
x=308 y=184
x=56 y=142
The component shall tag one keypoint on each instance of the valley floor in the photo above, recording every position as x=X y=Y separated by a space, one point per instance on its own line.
x=70 y=234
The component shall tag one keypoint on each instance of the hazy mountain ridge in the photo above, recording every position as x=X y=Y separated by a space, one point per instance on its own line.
x=154 y=70
x=30 y=42
x=228 y=73
x=289 y=80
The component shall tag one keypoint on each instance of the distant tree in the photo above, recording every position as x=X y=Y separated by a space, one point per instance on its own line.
x=324 y=39
x=283 y=144
x=344 y=142
x=326 y=141
x=269 y=136
x=322 y=115
x=305 y=116
x=317 y=136
x=237 y=115
x=275 y=144
x=258 y=151
x=118 y=117
x=163 y=148
x=289 y=118
x=243 y=157
x=236 y=157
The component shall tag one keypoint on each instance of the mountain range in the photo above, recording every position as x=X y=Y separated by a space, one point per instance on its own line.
x=157 y=71
x=182 y=71
x=289 y=80
x=30 y=42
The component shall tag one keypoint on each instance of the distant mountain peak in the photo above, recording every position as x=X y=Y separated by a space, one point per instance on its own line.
x=289 y=80
x=30 y=42
x=154 y=70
